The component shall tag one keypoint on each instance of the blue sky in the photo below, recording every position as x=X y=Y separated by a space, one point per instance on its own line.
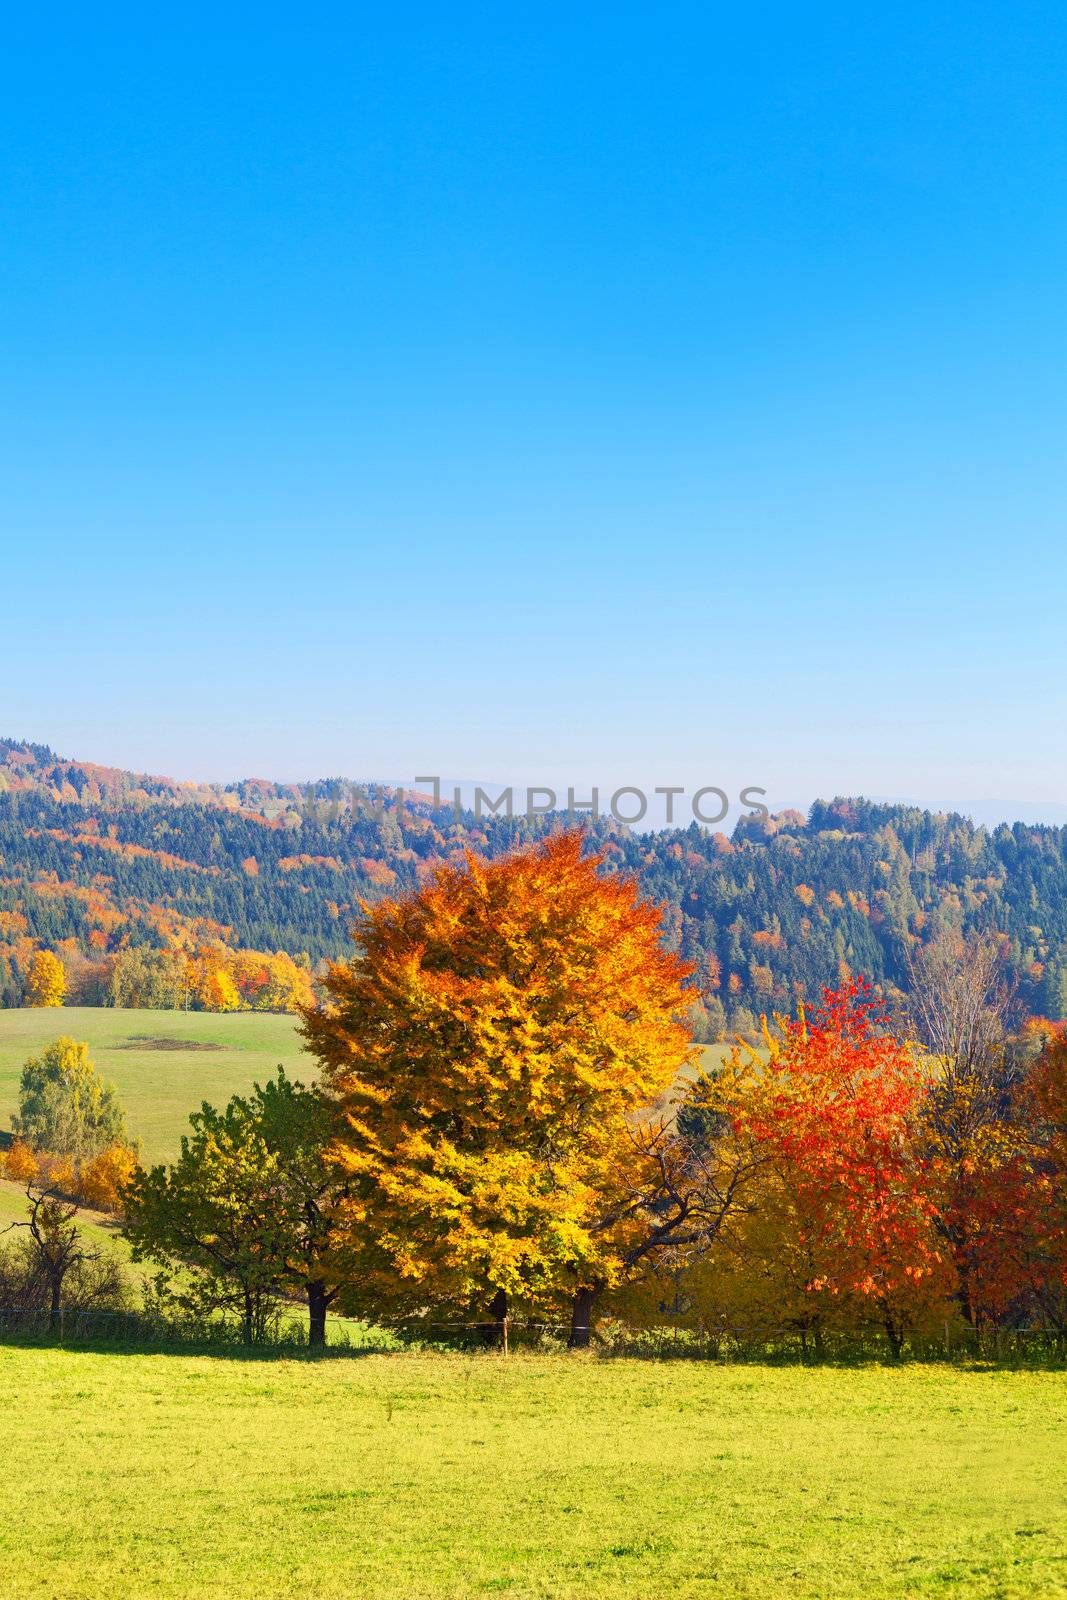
x=557 y=394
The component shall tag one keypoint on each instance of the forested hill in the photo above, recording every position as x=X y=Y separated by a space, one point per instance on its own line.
x=94 y=860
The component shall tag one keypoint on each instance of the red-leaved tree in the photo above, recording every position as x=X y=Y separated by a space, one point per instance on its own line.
x=833 y=1106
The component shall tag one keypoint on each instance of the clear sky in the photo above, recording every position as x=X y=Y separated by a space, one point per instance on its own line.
x=559 y=393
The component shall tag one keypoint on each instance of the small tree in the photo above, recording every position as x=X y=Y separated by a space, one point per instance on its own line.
x=64 y=1106
x=297 y=1126
x=245 y=1215
x=57 y=1248
x=46 y=983
x=212 y=984
x=959 y=1005
x=97 y=1182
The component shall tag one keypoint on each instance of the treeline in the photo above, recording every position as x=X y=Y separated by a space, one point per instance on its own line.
x=508 y=1127
x=206 y=977
x=767 y=917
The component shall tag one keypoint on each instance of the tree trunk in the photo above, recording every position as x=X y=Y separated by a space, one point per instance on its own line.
x=582 y=1316
x=493 y=1332
x=964 y=1297
x=316 y=1315
x=55 y=1308
x=249 y=1320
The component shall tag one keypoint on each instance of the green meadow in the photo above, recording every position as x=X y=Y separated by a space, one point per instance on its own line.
x=164 y=1063
x=543 y=1478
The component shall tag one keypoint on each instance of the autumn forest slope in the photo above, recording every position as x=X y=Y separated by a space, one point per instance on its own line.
x=96 y=858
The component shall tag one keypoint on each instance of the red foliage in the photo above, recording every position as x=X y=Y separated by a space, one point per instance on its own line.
x=836 y=1111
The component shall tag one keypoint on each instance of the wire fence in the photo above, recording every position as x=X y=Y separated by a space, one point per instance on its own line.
x=954 y=1343
x=287 y=1332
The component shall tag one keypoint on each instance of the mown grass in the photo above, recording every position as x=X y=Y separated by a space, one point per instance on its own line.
x=158 y=1087
x=457 y=1476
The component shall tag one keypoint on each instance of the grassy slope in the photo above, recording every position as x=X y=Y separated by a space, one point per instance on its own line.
x=158 y=1088
x=540 y=1477
x=99 y=1230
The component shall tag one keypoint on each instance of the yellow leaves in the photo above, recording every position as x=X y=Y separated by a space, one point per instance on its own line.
x=46 y=983
x=20 y=1162
x=221 y=979
x=489 y=1047
x=104 y=1178
x=97 y=1182
x=214 y=988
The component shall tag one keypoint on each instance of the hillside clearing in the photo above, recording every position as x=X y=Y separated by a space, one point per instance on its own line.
x=164 y=1063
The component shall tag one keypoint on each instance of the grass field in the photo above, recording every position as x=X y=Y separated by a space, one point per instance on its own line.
x=159 y=1083
x=415 y=1476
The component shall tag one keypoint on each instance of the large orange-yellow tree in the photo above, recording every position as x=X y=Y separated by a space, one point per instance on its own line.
x=490 y=1050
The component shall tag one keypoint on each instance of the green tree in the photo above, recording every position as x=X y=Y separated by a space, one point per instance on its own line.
x=147 y=978
x=1053 y=998
x=244 y=1217
x=298 y=1125
x=64 y=1106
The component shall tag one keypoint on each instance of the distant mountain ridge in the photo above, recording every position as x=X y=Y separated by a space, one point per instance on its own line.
x=94 y=860
x=27 y=768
